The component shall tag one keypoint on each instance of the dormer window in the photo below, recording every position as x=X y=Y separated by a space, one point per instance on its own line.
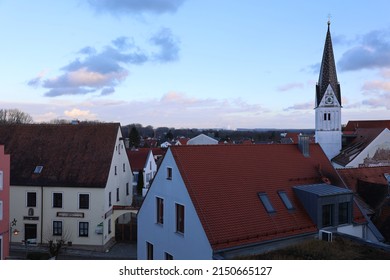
x=38 y=169
x=266 y=202
x=286 y=200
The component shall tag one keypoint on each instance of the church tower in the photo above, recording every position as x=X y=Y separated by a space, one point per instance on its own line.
x=328 y=103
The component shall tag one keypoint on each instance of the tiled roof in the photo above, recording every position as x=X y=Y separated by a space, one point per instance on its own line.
x=328 y=74
x=363 y=137
x=367 y=174
x=137 y=158
x=223 y=182
x=354 y=125
x=71 y=155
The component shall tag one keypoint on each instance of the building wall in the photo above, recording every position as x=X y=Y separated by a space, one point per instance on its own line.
x=193 y=244
x=120 y=177
x=4 y=204
x=368 y=156
x=70 y=215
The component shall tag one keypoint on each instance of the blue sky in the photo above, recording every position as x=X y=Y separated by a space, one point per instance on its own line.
x=191 y=63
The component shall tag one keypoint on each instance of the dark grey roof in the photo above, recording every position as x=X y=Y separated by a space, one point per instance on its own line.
x=328 y=74
x=323 y=189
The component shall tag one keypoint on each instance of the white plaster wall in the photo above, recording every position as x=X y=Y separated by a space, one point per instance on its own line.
x=382 y=141
x=194 y=243
x=354 y=230
x=119 y=180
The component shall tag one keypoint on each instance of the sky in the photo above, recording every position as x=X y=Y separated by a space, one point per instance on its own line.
x=191 y=63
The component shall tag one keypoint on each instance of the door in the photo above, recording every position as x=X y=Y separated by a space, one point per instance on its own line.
x=30 y=231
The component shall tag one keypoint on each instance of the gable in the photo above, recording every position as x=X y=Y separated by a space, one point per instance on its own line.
x=69 y=155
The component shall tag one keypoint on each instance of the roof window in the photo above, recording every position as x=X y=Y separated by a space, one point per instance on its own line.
x=266 y=202
x=286 y=200
x=38 y=169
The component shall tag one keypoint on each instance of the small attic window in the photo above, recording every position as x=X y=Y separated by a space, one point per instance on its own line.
x=38 y=169
x=266 y=202
x=286 y=200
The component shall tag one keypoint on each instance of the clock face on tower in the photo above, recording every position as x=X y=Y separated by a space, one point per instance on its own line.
x=329 y=100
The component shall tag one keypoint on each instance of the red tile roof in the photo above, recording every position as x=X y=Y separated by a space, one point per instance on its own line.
x=367 y=174
x=224 y=181
x=353 y=125
x=137 y=158
x=71 y=155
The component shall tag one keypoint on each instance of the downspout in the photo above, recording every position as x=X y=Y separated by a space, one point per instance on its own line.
x=41 y=213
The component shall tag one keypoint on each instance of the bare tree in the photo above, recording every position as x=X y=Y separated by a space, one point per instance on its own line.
x=14 y=116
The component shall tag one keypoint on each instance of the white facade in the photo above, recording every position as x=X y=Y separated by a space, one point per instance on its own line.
x=366 y=157
x=80 y=225
x=202 y=139
x=190 y=245
x=328 y=124
x=149 y=171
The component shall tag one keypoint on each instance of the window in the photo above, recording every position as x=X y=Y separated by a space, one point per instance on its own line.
x=344 y=213
x=117 y=194
x=115 y=170
x=57 y=200
x=109 y=199
x=109 y=226
x=160 y=210
x=127 y=189
x=168 y=256
x=31 y=199
x=1 y=210
x=57 y=228
x=83 y=201
x=135 y=177
x=149 y=251
x=286 y=200
x=169 y=173
x=324 y=116
x=83 y=229
x=328 y=116
x=38 y=169
x=327 y=214
x=267 y=204
x=179 y=218
x=124 y=167
x=1 y=179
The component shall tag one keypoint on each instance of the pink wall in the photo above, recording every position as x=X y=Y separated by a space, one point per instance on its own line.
x=4 y=197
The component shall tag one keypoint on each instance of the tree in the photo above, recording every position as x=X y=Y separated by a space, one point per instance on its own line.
x=140 y=182
x=169 y=136
x=14 y=116
x=134 y=138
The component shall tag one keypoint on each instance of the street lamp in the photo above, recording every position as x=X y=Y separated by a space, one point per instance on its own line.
x=12 y=232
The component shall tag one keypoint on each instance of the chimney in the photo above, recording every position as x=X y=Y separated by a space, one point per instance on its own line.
x=303 y=145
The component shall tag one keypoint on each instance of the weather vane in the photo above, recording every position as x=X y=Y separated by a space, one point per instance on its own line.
x=329 y=16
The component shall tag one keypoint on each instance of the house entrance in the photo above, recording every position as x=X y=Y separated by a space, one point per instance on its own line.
x=126 y=228
x=30 y=231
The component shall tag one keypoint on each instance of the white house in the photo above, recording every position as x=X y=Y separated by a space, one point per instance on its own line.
x=202 y=139
x=221 y=201
x=142 y=161
x=369 y=147
x=66 y=181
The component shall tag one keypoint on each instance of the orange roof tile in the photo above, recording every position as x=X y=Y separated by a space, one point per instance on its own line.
x=224 y=181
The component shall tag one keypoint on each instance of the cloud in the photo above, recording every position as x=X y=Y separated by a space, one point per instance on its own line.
x=372 y=52
x=80 y=114
x=379 y=101
x=136 y=6
x=301 y=106
x=377 y=85
x=92 y=71
x=290 y=86
x=169 y=46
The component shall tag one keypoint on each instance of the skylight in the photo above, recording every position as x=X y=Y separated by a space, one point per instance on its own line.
x=38 y=169
x=286 y=200
x=266 y=202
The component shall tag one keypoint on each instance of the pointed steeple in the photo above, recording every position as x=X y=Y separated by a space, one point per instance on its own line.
x=328 y=74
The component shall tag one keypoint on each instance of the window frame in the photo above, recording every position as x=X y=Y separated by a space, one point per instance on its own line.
x=180 y=218
x=149 y=251
x=327 y=220
x=266 y=202
x=83 y=229
x=28 y=199
x=57 y=228
x=54 y=200
x=169 y=173
x=343 y=214
x=286 y=200
x=159 y=210
x=82 y=201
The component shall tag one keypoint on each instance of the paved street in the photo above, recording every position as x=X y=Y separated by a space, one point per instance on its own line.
x=120 y=251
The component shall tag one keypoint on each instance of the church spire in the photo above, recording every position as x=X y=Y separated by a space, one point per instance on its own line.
x=328 y=75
